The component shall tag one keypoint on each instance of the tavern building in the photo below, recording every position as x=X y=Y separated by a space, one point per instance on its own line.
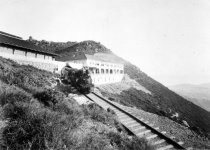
x=103 y=71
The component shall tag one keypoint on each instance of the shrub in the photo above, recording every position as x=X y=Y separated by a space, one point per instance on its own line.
x=89 y=135
x=12 y=95
x=24 y=130
x=97 y=113
x=49 y=97
x=15 y=111
x=68 y=106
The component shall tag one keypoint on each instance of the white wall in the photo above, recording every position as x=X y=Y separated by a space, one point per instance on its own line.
x=103 y=78
x=19 y=52
x=40 y=56
x=30 y=58
x=5 y=50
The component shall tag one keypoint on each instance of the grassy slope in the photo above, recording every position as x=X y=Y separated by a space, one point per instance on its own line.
x=39 y=117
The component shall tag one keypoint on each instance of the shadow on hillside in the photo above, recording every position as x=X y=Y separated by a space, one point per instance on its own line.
x=158 y=105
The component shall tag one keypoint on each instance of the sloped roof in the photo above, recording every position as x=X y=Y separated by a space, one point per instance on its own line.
x=71 y=56
x=11 y=35
x=112 y=58
x=15 y=41
x=83 y=56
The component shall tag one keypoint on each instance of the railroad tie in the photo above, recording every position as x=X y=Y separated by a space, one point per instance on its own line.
x=165 y=147
x=138 y=129
x=130 y=122
x=151 y=137
x=158 y=142
x=137 y=125
x=126 y=119
x=143 y=133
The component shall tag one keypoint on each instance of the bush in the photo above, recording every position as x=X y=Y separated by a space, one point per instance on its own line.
x=12 y=95
x=97 y=113
x=68 y=106
x=15 y=111
x=24 y=130
x=49 y=97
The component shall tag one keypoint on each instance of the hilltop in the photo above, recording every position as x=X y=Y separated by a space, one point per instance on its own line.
x=159 y=100
x=89 y=47
x=63 y=48
x=51 y=46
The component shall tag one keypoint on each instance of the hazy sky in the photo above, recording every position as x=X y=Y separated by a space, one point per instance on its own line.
x=168 y=39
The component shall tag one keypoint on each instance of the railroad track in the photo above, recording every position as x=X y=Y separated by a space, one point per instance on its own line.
x=138 y=126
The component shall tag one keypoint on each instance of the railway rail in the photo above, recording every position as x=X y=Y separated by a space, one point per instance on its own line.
x=138 y=126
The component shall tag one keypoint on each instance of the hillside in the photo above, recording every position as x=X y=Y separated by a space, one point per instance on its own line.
x=198 y=94
x=36 y=114
x=160 y=100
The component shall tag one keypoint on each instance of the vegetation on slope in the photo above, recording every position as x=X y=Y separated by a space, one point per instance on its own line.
x=51 y=46
x=65 y=47
x=35 y=116
x=85 y=46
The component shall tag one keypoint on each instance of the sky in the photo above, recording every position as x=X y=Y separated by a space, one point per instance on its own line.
x=169 y=40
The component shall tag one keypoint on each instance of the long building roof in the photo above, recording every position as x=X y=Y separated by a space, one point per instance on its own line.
x=15 y=41
x=83 y=56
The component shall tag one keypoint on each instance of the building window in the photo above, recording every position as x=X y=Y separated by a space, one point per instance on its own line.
x=121 y=71
x=97 y=71
x=107 y=71
x=111 y=71
x=102 y=71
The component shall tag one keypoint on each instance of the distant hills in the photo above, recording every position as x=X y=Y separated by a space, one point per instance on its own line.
x=198 y=94
x=161 y=101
